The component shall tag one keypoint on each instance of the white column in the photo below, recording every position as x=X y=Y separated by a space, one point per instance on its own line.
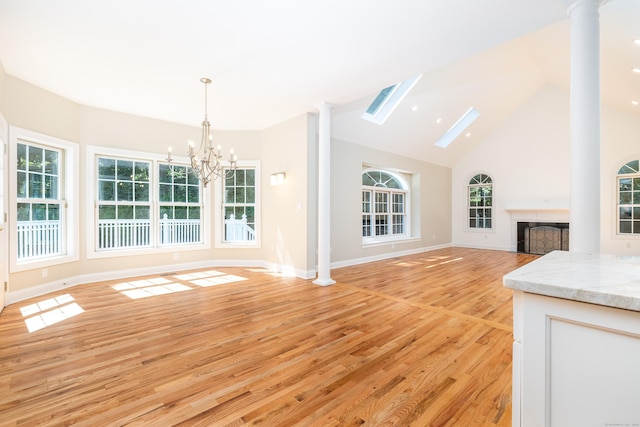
x=585 y=126
x=324 y=193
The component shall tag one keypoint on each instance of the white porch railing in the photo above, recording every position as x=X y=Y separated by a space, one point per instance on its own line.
x=43 y=238
x=237 y=230
x=39 y=238
x=123 y=233
x=175 y=231
x=131 y=233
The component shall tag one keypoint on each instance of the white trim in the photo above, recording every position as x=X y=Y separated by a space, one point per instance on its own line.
x=70 y=191
x=4 y=240
x=468 y=185
x=92 y=199
x=219 y=216
x=397 y=239
x=364 y=260
x=487 y=247
x=45 y=288
x=406 y=190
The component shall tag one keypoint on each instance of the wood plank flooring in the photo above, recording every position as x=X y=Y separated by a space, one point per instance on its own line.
x=421 y=340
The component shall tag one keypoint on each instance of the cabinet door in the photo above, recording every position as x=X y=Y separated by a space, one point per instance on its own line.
x=579 y=364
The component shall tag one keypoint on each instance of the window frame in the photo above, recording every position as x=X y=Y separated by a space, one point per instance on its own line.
x=134 y=205
x=373 y=190
x=633 y=175
x=219 y=219
x=69 y=190
x=469 y=186
x=155 y=247
x=176 y=205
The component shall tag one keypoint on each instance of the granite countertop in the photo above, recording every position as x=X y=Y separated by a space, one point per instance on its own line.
x=609 y=280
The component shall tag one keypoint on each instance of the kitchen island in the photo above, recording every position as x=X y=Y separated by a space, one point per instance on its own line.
x=576 y=350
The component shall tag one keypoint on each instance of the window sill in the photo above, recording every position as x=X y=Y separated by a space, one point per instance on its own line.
x=129 y=251
x=237 y=245
x=34 y=264
x=481 y=230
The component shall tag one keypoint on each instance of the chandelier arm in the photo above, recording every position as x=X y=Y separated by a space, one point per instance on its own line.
x=206 y=163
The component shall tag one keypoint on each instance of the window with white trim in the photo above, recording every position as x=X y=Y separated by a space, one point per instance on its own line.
x=239 y=206
x=480 y=202
x=143 y=203
x=628 y=212
x=40 y=203
x=385 y=195
x=180 y=210
x=44 y=211
x=124 y=204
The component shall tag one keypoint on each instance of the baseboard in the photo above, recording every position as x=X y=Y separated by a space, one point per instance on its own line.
x=13 y=297
x=488 y=247
x=387 y=255
x=55 y=286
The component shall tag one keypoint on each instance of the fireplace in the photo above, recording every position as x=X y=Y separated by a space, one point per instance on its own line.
x=542 y=237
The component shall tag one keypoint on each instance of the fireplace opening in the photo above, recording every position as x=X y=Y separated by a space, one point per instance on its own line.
x=542 y=237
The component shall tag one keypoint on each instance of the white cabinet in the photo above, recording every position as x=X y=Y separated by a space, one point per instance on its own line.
x=574 y=363
x=576 y=350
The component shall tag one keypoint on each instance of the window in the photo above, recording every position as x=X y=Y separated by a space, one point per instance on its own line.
x=180 y=211
x=40 y=204
x=387 y=100
x=480 y=202
x=629 y=198
x=384 y=205
x=142 y=203
x=44 y=212
x=458 y=127
x=239 y=206
x=124 y=205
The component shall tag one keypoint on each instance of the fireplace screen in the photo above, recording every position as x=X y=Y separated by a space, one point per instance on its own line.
x=542 y=238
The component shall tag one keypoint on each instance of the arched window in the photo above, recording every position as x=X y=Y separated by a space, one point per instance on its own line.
x=384 y=205
x=629 y=198
x=480 y=202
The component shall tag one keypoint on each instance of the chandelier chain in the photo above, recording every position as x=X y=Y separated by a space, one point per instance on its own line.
x=206 y=107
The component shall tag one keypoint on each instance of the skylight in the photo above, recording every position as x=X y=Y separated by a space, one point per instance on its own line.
x=463 y=123
x=387 y=100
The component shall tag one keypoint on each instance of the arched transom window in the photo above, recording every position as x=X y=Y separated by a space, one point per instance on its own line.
x=480 y=202
x=629 y=198
x=384 y=205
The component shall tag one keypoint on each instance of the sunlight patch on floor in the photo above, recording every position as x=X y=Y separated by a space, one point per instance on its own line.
x=219 y=280
x=47 y=312
x=149 y=287
x=407 y=264
x=198 y=275
x=446 y=261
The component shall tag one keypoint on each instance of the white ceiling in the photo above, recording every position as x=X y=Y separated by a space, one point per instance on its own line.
x=271 y=61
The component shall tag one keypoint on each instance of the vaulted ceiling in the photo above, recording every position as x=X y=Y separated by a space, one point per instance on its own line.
x=271 y=61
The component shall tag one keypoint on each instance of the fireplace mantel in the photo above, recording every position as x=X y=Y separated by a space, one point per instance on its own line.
x=536 y=208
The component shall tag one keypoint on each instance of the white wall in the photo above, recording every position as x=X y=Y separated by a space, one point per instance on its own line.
x=620 y=144
x=528 y=157
x=285 y=207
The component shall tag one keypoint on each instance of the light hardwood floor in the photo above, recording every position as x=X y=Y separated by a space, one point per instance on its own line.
x=421 y=340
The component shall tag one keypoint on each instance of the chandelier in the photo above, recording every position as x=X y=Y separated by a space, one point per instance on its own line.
x=206 y=162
